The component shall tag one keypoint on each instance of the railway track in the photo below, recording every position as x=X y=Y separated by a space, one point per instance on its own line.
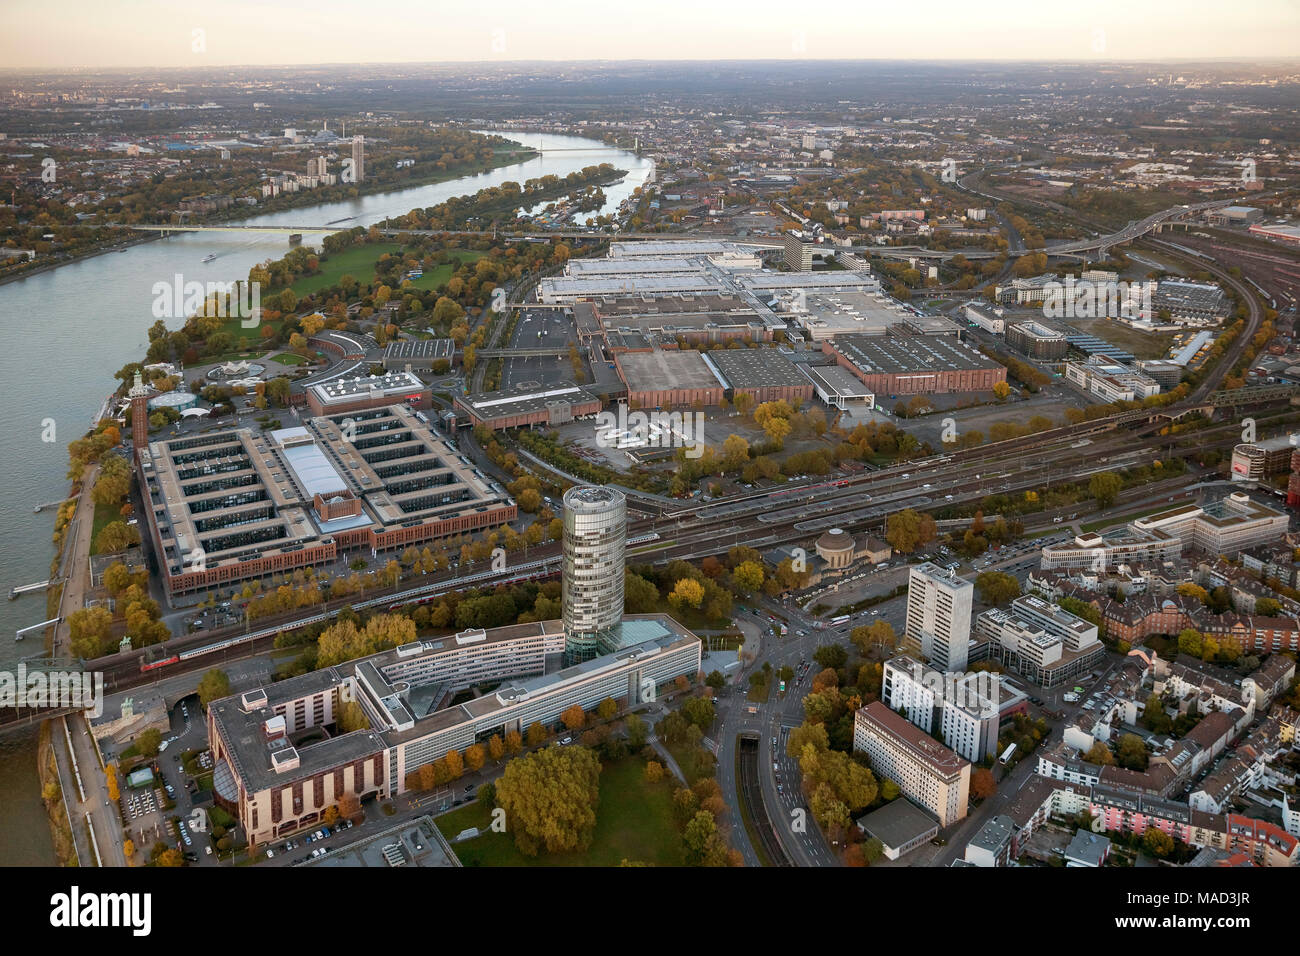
x=751 y=795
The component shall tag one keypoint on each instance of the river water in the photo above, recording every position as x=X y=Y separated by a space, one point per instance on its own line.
x=63 y=334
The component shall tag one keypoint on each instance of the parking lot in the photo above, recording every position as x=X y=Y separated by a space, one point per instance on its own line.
x=541 y=328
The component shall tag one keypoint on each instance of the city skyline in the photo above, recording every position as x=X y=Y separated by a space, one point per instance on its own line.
x=204 y=35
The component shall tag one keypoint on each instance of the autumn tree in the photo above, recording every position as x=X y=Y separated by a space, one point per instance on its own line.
x=982 y=785
x=550 y=799
x=686 y=593
x=908 y=530
x=1100 y=754
x=1105 y=487
x=879 y=633
x=574 y=717
x=475 y=757
x=996 y=587
x=214 y=685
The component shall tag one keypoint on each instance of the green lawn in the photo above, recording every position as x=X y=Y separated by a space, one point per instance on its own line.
x=103 y=515
x=633 y=822
x=289 y=358
x=440 y=274
x=358 y=262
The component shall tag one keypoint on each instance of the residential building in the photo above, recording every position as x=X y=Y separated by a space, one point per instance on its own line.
x=927 y=772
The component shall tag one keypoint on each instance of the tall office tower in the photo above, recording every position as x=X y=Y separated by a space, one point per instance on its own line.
x=358 y=158
x=938 y=616
x=139 y=396
x=595 y=535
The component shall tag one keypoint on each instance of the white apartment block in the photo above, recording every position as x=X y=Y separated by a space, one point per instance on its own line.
x=928 y=773
x=963 y=707
x=938 y=616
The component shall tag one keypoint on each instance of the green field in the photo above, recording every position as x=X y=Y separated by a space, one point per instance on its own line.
x=104 y=514
x=440 y=274
x=634 y=821
x=289 y=358
x=360 y=264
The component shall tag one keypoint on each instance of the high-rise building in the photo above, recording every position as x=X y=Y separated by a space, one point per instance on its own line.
x=929 y=774
x=938 y=616
x=139 y=396
x=595 y=535
x=358 y=158
x=963 y=708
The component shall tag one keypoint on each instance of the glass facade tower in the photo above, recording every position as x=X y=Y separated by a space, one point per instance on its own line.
x=595 y=536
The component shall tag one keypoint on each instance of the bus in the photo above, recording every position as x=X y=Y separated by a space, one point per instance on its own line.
x=837 y=621
x=1006 y=755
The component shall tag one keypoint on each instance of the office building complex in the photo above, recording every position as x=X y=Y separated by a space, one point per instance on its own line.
x=938 y=615
x=1036 y=340
x=1111 y=380
x=280 y=760
x=1042 y=642
x=928 y=773
x=1259 y=461
x=240 y=504
x=1224 y=526
x=595 y=534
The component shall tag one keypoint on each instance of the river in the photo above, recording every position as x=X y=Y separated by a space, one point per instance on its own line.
x=63 y=334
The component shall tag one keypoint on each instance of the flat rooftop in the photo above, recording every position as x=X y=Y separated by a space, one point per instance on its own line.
x=899 y=823
x=917 y=742
x=910 y=353
x=242 y=493
x=523 y=400
x=628 y=265
x=654 y=248
x=415 y=842
x=836 y=380
x=390 y=384
x=611 y=307
x=757 y=368
x=667 y=369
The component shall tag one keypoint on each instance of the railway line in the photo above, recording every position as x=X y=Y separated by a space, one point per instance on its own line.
x=751 y=794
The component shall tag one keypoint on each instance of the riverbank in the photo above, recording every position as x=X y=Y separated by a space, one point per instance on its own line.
x=118 y=245
x=311 y=198
x=508 y=158
x=52 y=796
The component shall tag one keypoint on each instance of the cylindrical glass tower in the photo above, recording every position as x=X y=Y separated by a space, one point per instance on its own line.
x=595 y=536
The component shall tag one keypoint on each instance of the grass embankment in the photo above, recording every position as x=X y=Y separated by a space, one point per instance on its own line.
x=65 y=848
x=634 y=821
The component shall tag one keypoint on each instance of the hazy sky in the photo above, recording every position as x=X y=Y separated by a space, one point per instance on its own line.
x=61 y=34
